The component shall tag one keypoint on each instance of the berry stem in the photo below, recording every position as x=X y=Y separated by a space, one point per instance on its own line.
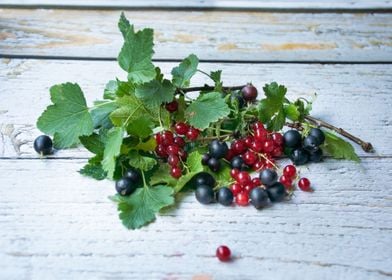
x=144 y=179
x=206 y=87
x=366 y=146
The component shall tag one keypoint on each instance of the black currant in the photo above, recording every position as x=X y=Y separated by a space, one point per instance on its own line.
x=299 y=156
x=249 y=93
x=319 y=134
x=292 y=138
x=205 y=158
x=237 y=162
x=268 y=177
x=276 y=192
x=218 y=149
x=204 y=194
x=204 y=178
x=239 y=98
x=125 y=186
x=43 y=145
x=214 y=164
x=316 y=156
x=225 y=196
x=310 y=143
x=133 y=175
x=258 y=198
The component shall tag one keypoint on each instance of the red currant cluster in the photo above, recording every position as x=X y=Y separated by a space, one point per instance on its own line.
x=171 y=146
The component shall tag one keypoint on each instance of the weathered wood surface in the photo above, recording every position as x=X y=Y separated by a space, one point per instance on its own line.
x=222 y=4
x=58 y=224
x=212 y=35
x=349 y=96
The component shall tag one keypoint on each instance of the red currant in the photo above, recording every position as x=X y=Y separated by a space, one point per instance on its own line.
x=249 y=158
x=256 y=182
x=161 y=151
x=257 y=146
x=183 y=155
x=181 y=128
x=234 y=173
x=180 y=142
x=223 y=253
x=172 y=150
x=257 y=165
x=192 y=133
x=248 y=141
x=261 y=134
x=268 y=146
x=257 y=125
x=277 y=152
x=277 y=138
x=248 y=188
x=167 y=138
x=172 y=106
x=236 y=188
x=173 y=160
x=175 y=172
x=242 y=199
x=290 y=171
x=158 y=138
x=230 y=154
x=286 y=181
x=304 y=185
x=238 y=146
x=243 y=178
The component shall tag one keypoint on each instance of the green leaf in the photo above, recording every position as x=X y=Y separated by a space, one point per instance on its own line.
x=154 y=93
x=275 y=92
x=277 y=122
x=141 y=162
x=112 y=150
x=93 y=143
x=183 y=180
x=100 y=113
x=194 y=162
x=141 y=127
x=147 y=146
x=68 y=117
x=140 y=208
x=216 y=76
x=183 y=73
x=162 y=176
x=110 y=90
x=292 y=112
x=207 y=108
x=93 y=170
x=339 y=148
x=136 y=53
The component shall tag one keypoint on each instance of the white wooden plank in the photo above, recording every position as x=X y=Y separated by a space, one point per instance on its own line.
x=58 y=224
x=223 y=4
x=212 y=35
x=355 y=97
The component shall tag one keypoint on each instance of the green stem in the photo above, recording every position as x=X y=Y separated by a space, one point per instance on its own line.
x=208 y=75
x=144 y=179
x=101 y=104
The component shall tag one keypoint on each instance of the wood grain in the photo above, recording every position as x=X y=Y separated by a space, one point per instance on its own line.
x=212 y=35
x=209 y=4
x=350 y=96
x=57 y=224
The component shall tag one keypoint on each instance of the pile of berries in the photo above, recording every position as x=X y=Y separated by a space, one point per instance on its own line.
x=171 y=147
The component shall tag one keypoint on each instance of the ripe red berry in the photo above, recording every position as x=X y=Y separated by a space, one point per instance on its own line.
x=172 y=106
x=175 y=172
x=236 y=188
x=238 y=146
x=158 y=138
x=268 y=146
x=290 y=171
x=183 y=155
x=286 y=181
x=181 y=128
x=249 y=158
x=234 y=173
x=192 y=133
x=257 y=165
x=243 y=178
x=167 y=138
x=277 y=152
x=248 y=140
x=173 y=160
x=256 y=182
x=230 y=154
x=248 y=187
x=161 y=151
x=261 y=134
x=304 y=185
x=257 y=146
x=172 y=150
x=277 y=138
x=223 y=253
x=242 y=199
x=179 y=141
x=257 y=124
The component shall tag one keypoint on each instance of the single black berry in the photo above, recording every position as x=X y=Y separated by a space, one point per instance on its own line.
x=249 y=93
x=204 y=194
x=133 y=175
x=218 y=149
x=316 y=156
x=319 y=134
x=237 y=162
x=125 y=186
x=299 y=156
x=268 y=177
x=292 y=138
x=258 y=198
x=205 y=158
x=214 y=164
x=43 y=145
x=310 y=143
x=276 y=192
x=204 y=178
x=225 y=196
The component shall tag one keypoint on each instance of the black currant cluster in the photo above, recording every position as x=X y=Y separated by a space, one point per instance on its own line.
x=306 y=149
x=130 y=181
x=216 y=151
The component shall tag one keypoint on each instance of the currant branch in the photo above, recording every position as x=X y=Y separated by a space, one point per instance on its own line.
x=207 y=88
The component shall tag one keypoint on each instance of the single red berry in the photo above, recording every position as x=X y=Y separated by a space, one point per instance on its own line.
x=257 y=165
x=161 y=151
x=223 y=253
x=290 y=171
x=304 y=185
x=243 y=178
x=183 y=155
x=286 y=181
x=269 y=165
x=268 y=146
x=248 y=187
x=261 y=134
x=234 y=173
x=257 y=124
x=256 y=182
x=257 y=146
x=238 y=146
x=248 y=140
x=242 y=199
x=158 y=138
x=230 y=154
x=173 y=160
x=181 y=128
x=249 y=158
x=192 y=133
x=179 y=141
x=172 y=106
x=277 y=152
x=172 y=150
x=236 y=188
x=277 y=138
x=175 y=172
x=167 y=138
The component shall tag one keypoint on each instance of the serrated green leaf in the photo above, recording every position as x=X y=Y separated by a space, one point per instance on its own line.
x=162 y=176
x=110 y=90
x=100 y=113
x=206 y=109
x=216 y=76
x=138 y=161
x=339 y=148
x=136 y=53
x=292 y=112
x=112 y=150
x=277 y=122
x=141 y=127
x=147 y=146
x=93 y=170
x=154 y=93
x=183 y=73
x=68 y=118
x=93 y=143
x=193 y=162
x=275 y=92
x=140 y=208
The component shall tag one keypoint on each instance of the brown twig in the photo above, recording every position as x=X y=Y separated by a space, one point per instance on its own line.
x=206 y=87
x=366 y=146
